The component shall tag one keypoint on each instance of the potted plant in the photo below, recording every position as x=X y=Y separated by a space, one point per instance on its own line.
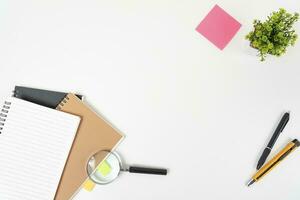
x=274 y=35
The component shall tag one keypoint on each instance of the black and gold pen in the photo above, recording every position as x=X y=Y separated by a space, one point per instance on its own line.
x=291 y=146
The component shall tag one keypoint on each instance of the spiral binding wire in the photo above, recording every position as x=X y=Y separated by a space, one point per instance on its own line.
x=62 y=103
x=3 y=114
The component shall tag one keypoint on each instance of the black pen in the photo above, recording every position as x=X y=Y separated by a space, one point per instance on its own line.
x=284 y=120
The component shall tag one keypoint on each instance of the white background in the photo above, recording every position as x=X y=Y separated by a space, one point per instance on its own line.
x=183 y=104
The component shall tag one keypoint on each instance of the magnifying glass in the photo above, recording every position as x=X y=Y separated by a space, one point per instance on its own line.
x=105 y=166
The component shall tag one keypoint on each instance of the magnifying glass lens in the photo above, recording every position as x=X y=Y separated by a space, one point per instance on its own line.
x=103 y=167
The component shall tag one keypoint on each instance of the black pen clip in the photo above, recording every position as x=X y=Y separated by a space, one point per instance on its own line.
x=285 y=121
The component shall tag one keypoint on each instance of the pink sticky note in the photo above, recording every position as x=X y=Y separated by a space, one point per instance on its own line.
x=218 y=27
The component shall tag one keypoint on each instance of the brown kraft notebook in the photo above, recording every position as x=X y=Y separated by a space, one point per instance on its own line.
x=93 y=134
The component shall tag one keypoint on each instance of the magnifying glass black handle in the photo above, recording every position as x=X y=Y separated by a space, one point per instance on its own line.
x=144 y=170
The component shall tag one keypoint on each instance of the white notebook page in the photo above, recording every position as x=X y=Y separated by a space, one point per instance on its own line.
x=34 y=145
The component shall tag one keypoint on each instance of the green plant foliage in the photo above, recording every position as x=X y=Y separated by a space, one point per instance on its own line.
x=274 y=35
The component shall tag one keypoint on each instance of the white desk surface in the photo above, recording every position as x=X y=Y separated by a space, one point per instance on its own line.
x=182 y=103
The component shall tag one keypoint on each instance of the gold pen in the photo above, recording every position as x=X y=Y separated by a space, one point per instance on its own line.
x=290 y=147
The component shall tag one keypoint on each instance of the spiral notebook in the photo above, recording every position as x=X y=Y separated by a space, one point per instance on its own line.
x=46 y=98
x=35 y=142
x=94 y=134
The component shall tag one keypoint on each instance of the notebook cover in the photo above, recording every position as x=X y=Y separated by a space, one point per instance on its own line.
x=46 y=98
x=94 y=134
